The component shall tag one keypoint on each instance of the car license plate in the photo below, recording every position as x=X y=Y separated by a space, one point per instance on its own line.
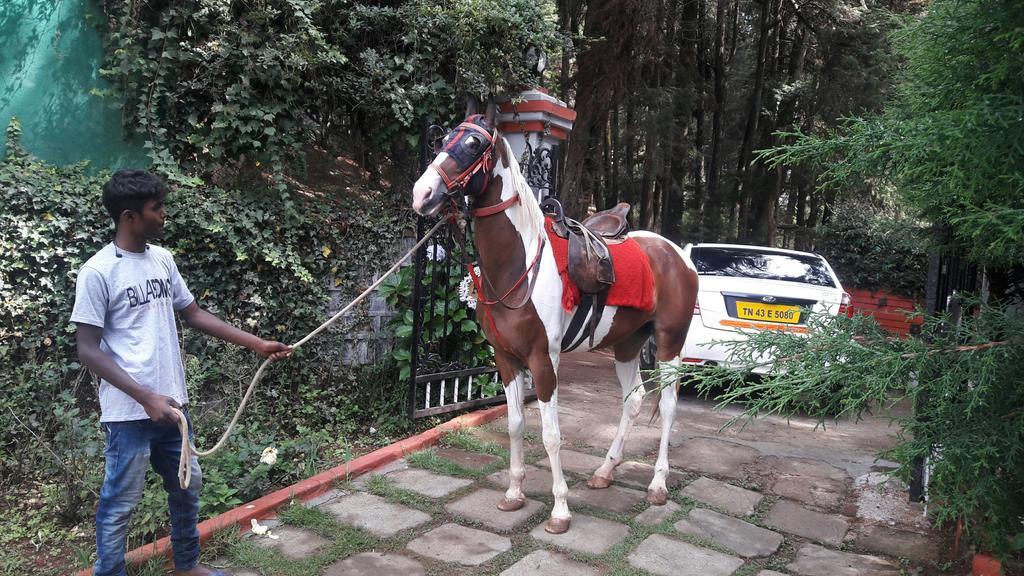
x=770 y=312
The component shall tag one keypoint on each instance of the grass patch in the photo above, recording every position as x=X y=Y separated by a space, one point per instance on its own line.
x=153 y=567
x=310 y=518
x=383 y=487
x=522 y=546
x=269 y=561
x=685 y=502
x=344 y=542
x=466 y=440
x=761 y=510
x=617 y=554
x=219 y=546
x=626 y=571
x=534 y=455
x=666 y=526
x=430 y=460
x=748 y=570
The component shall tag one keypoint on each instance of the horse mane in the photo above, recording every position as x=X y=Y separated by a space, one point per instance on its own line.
x=530 y=219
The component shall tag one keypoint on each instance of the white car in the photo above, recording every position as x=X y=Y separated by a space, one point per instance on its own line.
x=750 y=288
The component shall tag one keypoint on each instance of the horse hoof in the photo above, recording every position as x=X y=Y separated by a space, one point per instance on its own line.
x=598 y=482
x=557 y=525
x=511 y=505
x=657 y=497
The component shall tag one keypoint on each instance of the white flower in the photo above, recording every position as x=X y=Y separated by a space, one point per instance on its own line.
x=467 y=290
x=373 y=430
x=269 y=456
x=436 y=253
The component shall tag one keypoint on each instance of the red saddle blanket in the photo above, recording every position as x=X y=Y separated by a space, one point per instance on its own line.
x=634 y=281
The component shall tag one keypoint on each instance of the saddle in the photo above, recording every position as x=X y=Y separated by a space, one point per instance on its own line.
x=590 y=260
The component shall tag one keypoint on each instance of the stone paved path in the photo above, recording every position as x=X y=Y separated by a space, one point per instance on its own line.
x=774 y=498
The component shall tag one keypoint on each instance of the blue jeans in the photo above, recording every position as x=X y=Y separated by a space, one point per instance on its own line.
x=131 y=447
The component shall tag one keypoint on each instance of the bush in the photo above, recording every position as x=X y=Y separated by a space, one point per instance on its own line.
x=212 y=83
x=963 y=379
x=875 y=249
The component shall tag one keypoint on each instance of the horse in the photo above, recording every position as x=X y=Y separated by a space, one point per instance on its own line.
x=525 y=324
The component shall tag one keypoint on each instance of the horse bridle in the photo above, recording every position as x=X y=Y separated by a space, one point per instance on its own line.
x=457 y=184
x=484 y=162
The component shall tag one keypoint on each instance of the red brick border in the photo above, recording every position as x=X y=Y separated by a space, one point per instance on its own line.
x=314 y=486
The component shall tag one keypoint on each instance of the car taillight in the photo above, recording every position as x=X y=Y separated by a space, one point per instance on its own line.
x=845 y=307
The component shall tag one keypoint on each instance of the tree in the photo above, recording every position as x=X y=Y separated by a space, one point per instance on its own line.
x=213 y=85
x=950 y=139
x=675 y=96
x=618 y=35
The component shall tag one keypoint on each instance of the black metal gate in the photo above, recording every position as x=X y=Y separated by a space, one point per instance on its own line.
x=452 y=366
x=951 y=275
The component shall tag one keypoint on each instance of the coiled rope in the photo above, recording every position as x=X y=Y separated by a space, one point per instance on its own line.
x=188 y=450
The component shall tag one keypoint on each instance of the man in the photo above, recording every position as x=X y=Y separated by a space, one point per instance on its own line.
x=125 y=300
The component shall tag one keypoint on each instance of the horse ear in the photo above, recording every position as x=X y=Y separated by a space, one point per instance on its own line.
x=492 y=110
x=472 y=105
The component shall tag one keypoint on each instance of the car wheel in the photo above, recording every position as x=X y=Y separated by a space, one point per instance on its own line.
x=649 y=355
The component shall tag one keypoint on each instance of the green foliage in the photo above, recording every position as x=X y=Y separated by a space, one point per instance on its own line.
x=950 y=142
x=209 y=81
x=487 y=39
x=299 y=455
x=454 y=339
x=968 y=397
x=950 y=139
x=46 y=230
x=214 y=83
x=875 y=249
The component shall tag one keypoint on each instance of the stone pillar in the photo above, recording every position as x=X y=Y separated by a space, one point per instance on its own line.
x=535 y=124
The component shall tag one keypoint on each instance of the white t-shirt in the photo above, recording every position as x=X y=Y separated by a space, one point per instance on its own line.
x=133 y=298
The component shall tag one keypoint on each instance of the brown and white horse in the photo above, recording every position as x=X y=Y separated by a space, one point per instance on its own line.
x=526 y=325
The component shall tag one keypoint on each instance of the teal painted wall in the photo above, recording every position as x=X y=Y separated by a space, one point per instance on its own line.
x=50 y=55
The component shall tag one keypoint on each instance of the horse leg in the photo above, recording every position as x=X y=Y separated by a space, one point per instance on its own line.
x=544 y=367
x=632 y=397
x=560 y=516
x=657 y=492
x=514 y=498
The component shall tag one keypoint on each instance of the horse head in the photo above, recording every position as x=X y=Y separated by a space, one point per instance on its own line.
x=464 y=164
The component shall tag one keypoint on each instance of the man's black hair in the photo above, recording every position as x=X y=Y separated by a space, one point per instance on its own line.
x=130 y=189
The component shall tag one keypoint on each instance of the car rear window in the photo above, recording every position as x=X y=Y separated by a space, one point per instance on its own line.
x=748 y=263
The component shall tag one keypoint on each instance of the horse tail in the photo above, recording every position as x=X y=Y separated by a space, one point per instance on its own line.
x=656 y=413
